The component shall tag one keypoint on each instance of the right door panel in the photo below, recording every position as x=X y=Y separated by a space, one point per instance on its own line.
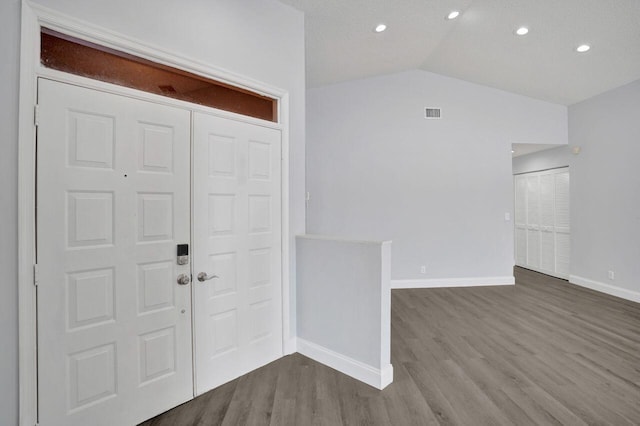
x=237 y=248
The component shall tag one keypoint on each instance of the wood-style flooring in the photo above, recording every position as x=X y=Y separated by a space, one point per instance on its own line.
x=542 y=352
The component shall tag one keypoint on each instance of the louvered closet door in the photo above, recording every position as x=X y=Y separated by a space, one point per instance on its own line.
x=521 y=220
x=114 y=326
x=542 y=231
x=547 y=225
x=562 y=224
x=533 y=221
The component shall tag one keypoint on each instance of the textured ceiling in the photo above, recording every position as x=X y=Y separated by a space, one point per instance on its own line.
x=479 y=46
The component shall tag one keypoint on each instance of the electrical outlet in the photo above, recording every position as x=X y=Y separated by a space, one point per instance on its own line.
x=612 y=275
x=423 y=269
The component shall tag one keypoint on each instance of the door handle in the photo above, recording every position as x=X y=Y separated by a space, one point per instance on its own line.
x=202 y=277
x=184 y=279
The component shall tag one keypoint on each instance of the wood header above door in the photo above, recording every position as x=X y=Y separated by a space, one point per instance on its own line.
x=80 y=57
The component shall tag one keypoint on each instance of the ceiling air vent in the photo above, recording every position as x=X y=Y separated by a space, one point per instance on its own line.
x=433 y=113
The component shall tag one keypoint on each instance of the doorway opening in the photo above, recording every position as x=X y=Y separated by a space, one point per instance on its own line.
x=542 y=226
x=92 y=151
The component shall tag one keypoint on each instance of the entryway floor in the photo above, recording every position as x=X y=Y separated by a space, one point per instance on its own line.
x=541 y=352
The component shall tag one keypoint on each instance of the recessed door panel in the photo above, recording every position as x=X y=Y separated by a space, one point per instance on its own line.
x=114 y=327
x=237 y=245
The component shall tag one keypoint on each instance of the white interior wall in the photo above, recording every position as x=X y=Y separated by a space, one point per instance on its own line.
x=258 y=39
x=344 y=306
x=378 y=170
x=605 y=191
x=9 y=46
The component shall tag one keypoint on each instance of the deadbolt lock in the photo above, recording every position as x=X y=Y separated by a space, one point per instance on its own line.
x=182 y=257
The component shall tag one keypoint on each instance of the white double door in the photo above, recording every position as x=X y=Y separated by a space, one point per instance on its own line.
x=120 y=183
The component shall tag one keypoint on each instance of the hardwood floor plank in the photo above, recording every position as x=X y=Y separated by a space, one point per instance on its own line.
x=439 y=404
x=543 y=408
x=542 y=352
x=404 y=402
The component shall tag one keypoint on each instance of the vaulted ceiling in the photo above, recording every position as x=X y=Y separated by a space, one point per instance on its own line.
x=480 y=45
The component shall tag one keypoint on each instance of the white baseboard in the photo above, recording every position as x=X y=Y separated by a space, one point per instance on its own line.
x=623 y=293
x=379 y=379
x=290 y=346
x=453 y=282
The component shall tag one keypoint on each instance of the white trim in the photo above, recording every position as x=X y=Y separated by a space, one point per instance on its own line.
x=453 y=282
x=27 y=328
x=377 y=378
x=612 y=290
x=386 y=376
x=287 y=335
x=69 y=25
x=33 y=17
x=550 y=169
x=341 y=239
x=115 y=89
x=385 y=310
x=291 y=346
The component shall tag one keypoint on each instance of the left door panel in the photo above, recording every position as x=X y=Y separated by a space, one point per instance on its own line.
x=114 y=326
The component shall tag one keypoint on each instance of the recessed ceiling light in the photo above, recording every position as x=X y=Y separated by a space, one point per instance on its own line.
x=453 y=14
x=380 y=28
x=522 y=30
x=583 y=48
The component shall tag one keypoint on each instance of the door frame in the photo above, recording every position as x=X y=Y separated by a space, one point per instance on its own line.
x=33 y=18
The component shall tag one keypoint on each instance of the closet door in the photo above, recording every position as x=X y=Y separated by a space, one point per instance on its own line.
x=542 y=231
x=533 y=221
x=521 y=220
x=547 y=232
x=562 y=224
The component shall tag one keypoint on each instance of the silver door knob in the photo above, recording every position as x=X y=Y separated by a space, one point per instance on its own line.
x=202 y=277
x=184 y=279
